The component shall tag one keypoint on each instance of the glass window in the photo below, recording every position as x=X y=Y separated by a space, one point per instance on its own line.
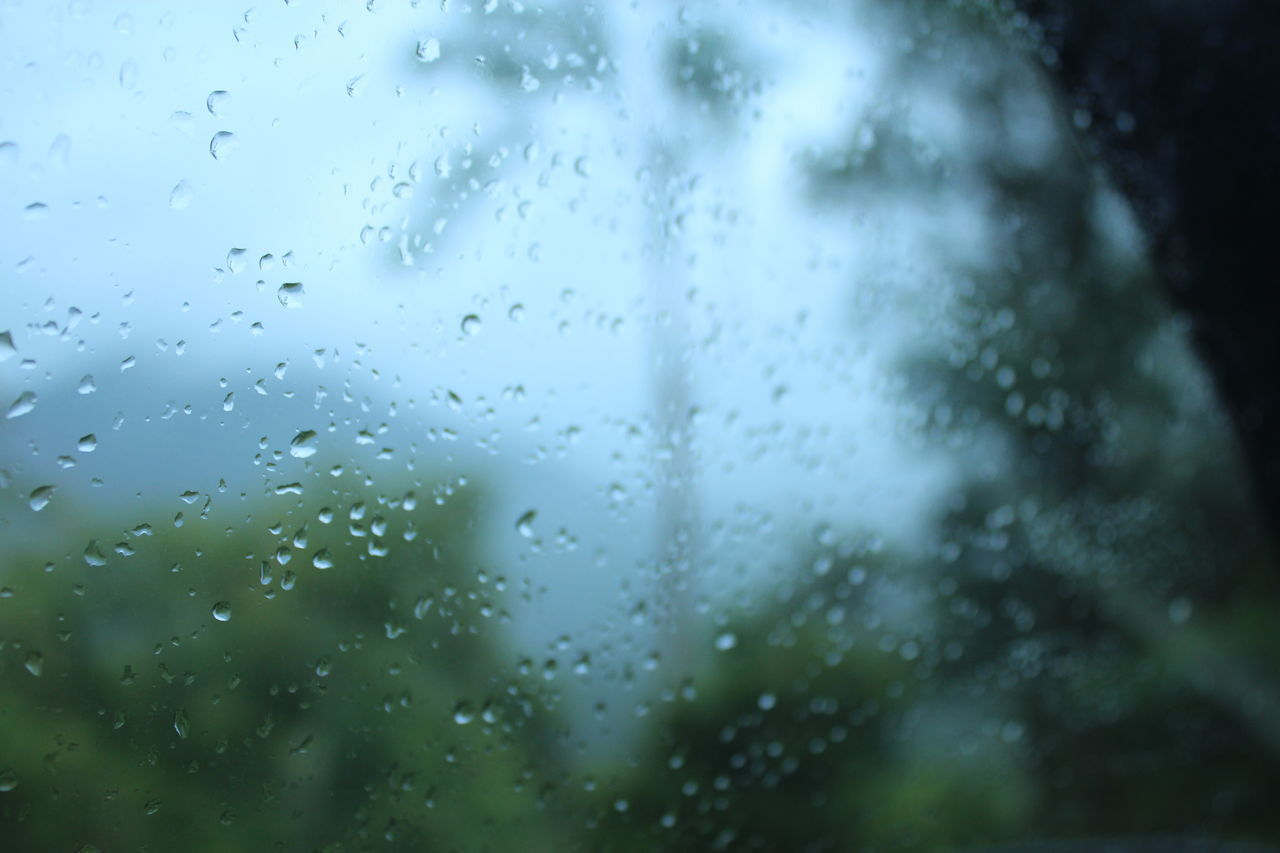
x=514 y=425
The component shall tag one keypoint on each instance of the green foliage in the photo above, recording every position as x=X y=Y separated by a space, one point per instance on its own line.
x=369 y=704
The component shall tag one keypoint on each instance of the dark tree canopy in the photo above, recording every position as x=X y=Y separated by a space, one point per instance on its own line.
x=1185 y=108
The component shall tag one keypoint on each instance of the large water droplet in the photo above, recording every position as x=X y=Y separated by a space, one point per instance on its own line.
x=87 y=385
x=93 y=554
x=303 y=444
x=218 y=102
x=26 y=402
x=471 y=325
x=524 y=524
x=290 y=294
x=181 y=724
x=40 y=497
x=222 y=144
x=222 y=611
x=181 y=196
x=87 y=443
x=463 y=714
x=428 y=50
x=129 y=74
x=321 y=559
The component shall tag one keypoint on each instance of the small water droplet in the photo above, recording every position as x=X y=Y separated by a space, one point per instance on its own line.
x=471 y=325
x=87 y=385
x=40 y=497
x=87 y=443
x=26 y=402
x=428 y=50
x=524 y=524
x=218 y=102
x=8 y=780
x=321 y=559
x=150 y=807
x=181 y=196
x=290 y=294
x=34 y=664
x=222 y=611
x=463 y=714
x=7 y=348
x=181 y=724
x=222 y=144
x=726 y=641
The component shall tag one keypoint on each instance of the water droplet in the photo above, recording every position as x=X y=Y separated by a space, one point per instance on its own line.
x=181 y=196
x=40 y=497
x=181 y=724
x=471 y=325
x=26 y=402
x=222 y=144
x=8 y=780
x=129 y=74
x=222 y=611
x=34 y=664
x=87 y=385
x=463 y=714
x=524 y=524
x=87 y=443
x=183 y=121
x=93 y=554
x=428 y=50
x=303 y=444
x=7 y=348
x=290 y=294
x=767 y=701
x=150 y=807
x=218 y=102
x=726 y=641
x=321 y=559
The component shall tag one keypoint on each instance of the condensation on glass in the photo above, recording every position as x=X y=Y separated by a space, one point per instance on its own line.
x=542 y=426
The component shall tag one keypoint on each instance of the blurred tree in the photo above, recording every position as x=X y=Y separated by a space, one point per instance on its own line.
x=358 y=695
